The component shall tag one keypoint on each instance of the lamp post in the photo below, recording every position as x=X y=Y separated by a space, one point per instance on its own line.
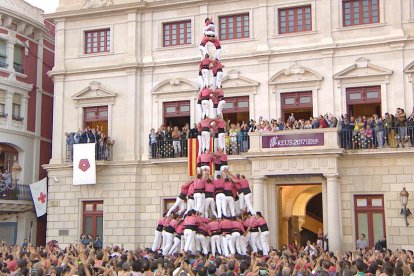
x=404 y=200
x=16 y=170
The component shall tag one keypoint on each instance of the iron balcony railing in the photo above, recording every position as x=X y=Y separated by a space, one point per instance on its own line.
x=179 y=148
x=15 y=192
x=394 y=137
x=103 y=151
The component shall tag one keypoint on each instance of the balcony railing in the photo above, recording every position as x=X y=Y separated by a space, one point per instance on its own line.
x=17 y=118
x=179 y=148
x=395 y=137
x=3 y=115
x=18 y=68
x=3 y=62
x=102 y=152
x=20 y=192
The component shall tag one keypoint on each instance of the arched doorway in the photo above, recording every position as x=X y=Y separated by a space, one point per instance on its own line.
x=8 y=154
x=301 y=213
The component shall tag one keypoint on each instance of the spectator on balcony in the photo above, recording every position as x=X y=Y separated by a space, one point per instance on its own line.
x=6 y=176
x=193 y=133
x=176 y=135
x=379 y=130
x=410 y=125
x=233 y=133
x=401 y=123
x=152 y=137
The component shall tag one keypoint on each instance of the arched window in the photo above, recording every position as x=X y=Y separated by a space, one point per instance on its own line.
x=8 y=154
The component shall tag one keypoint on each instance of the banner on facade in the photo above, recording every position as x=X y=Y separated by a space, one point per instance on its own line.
x=84 y=167
x=193 y=148
x=39 y=196
x=293 y=140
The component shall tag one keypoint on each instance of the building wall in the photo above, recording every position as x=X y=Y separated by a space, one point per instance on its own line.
x=24 y=25
x=138 y=75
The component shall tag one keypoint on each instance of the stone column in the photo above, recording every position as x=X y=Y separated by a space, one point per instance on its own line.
x=333 y=208
x=325 y=208
x=24 y=110
x=10 y=54
x=133 y=110
x=9 y=107
x=258 y=193
x=59 y=144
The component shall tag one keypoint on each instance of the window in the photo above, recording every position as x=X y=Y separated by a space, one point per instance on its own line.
x=18 y=59
x=167 y=204
x=3 y=54
x=177 y=113
x=97 y=41
x=369 y=217
x=16 y=108
x=2 y=104
x=96 y=117
x=8 y=155
x=363 y=101
x=358 y=12
x=93 y=218
x=298 y=103
x=234 y=27
x=236 y=109
x=297 y=19
x=177 y=33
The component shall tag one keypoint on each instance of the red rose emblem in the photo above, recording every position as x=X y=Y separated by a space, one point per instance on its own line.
x=84 y=165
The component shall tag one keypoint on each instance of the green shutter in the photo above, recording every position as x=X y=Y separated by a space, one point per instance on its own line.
x=18 y=55
x=2 y=48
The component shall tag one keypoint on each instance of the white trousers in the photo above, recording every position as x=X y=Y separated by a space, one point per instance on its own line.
x=221 y=141
x=237 y=240
x=204 y=73
x=205 y=106
x=221 y=205
x=199 y=202
x=157 y=240
x=237 y=207
x=200 y=143
x=245 y=201
x=215 y=242
x=190 y=204
x=199 y=114
x=228 y=245
x=189 y=236
x=218 y=79
x=176 y=246
x=179 y=203
x=230 y=206
x=264 y=240
x=209 y=205
x=218 y=53
x=254 y=241
x=169 y=240
x=220 y=107
x=205 y=140
x=201 y=243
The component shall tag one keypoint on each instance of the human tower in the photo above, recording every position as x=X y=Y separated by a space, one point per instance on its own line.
x=212 y=214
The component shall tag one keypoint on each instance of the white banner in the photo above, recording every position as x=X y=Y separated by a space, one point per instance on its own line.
x=39 y=195
x=84 y=168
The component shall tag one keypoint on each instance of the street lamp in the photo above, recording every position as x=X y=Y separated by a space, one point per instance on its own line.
x=404 y=200
x=16 y=170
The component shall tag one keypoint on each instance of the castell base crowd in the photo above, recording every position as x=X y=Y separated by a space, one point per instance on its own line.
x=213 y=212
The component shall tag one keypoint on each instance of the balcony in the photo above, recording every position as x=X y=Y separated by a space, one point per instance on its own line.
x=17 y=199
x=102 y=152
x=3 y=115
x=18 y=68
x=179 y=148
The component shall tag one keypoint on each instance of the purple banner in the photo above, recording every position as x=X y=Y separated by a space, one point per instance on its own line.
x=293 y=140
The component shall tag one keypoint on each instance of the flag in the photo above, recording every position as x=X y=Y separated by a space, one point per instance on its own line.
x=193 y=147
x=39 y=195
x=84 y=168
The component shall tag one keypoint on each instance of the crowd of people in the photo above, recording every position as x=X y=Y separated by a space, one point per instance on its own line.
x=84 y=259
x=103 y=143
x=365 y=132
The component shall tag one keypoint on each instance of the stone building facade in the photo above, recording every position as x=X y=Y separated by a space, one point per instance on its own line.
x=26 y=104
x=321 y=51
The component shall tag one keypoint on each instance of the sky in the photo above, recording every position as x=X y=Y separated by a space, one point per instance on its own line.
x=48 y=6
